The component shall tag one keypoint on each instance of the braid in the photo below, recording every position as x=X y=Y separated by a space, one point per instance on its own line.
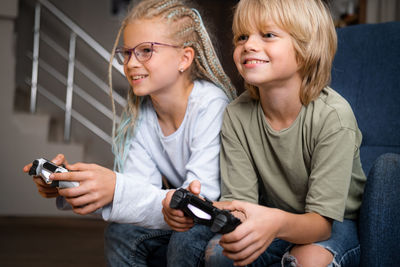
x=188 y=29
x=164 y=5
x=207 y=61
x=205 y=68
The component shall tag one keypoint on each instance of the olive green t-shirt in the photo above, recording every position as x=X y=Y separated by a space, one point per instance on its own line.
x=312 y=166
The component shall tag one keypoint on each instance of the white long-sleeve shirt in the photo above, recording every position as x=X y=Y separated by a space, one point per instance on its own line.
x=192 y=152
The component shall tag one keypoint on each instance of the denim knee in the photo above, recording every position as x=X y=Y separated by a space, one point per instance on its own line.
x=271 y=257
x=343 y=244
x=187 y=248
x=213 y=254
x=115 y=247
x=130 y=245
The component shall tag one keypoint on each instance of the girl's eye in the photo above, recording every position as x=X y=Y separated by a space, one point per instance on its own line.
x=145 y=50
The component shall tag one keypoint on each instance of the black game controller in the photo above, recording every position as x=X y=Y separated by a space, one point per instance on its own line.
x=43 y=168
x=203 y=212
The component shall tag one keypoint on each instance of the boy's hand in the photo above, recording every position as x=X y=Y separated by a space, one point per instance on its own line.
x=250 y=239
x=226 y=205
x=45 y=190
x=175 y=218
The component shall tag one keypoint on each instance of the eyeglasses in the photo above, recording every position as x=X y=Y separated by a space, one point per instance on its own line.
x=142 y=52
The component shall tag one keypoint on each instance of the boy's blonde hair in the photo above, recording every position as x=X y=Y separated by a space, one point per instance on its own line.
x=310 y=25
x=186 y=30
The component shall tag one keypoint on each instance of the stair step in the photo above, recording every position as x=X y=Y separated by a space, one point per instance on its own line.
x=32 y=124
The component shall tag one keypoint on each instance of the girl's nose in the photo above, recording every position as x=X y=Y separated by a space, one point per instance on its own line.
x=133 y=62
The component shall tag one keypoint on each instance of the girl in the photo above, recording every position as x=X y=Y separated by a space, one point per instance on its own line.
x=170 y=129
x=289 y=144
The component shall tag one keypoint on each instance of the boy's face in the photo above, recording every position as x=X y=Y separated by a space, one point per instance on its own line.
x=266 y=59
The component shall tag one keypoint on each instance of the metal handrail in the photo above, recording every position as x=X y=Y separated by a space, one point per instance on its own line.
x=79 y=66
x=79 y=91
x=82 y=34
x=76 y=115
x=35 y=60
x=71 y=88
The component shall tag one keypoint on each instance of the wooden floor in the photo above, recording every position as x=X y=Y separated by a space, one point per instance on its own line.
x=51 y=241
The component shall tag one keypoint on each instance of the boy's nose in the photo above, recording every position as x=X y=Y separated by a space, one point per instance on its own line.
x=251 y=44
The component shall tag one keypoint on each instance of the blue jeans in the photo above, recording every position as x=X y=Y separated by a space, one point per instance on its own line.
x=343 y=244
x=130 y=245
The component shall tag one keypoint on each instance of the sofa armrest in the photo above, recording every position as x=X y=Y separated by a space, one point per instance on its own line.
x=379 y=221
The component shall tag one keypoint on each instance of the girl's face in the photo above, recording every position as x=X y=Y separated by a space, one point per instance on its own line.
x=161 y=71
x=267 y=58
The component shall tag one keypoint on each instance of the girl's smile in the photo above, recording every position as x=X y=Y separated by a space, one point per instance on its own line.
x=137 y=78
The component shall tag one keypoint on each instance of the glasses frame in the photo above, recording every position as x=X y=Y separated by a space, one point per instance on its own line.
x=121 y=50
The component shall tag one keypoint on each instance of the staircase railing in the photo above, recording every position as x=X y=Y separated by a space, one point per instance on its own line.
x=68 y=81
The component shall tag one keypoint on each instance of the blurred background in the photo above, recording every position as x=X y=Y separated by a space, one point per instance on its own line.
x=54 y=99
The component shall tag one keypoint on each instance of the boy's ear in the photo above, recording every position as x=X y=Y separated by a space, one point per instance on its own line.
x=187 y=58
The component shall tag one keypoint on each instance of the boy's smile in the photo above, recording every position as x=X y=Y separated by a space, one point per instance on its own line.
x=264 y=58
x=253 y=62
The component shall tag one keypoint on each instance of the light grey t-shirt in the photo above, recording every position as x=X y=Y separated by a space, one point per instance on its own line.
x=312 y=166
x=191 y=152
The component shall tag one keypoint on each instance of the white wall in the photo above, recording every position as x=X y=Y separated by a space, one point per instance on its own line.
x=22 y=137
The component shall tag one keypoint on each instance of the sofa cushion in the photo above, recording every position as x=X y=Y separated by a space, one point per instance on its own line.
x=366 y=71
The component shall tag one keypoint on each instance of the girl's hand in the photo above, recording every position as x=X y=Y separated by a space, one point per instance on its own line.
x=250 y=239
x=175 y=218
x=95 y=190
x=45 y=190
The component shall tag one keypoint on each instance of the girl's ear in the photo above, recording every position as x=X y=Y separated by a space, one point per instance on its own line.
x=186 y=59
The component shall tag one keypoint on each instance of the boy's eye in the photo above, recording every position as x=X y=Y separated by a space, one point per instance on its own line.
x=268 y=35
x=242 y=38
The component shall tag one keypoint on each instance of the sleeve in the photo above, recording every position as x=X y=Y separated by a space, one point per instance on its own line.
x=138 y=194
x=239 y=180
x=331 y=170
x=62 y=204
x=203 y=163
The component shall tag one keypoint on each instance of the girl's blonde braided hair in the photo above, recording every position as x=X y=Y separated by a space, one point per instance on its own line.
x=188 y=30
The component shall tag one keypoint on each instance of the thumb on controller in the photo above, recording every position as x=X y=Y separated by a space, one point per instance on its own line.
x=194 y=187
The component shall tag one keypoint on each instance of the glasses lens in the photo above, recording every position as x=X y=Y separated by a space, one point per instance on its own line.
x=144 y=51
x=122 y=55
